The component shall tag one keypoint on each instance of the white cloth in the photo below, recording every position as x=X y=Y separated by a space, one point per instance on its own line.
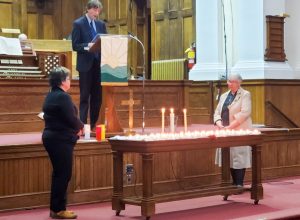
x=240 y=109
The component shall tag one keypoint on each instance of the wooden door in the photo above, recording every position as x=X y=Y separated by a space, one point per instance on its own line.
x=173 y=28
x=11 y=15
x=125 y=16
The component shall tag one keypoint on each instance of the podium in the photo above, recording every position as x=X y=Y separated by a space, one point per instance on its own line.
x=108 y=113
x=114 y=50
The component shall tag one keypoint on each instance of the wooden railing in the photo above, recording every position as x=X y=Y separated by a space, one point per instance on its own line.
x=280 y=114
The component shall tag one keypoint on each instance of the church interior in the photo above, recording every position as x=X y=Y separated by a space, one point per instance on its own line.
x=191 y=47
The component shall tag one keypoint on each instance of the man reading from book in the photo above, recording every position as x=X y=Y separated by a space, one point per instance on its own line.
x=85 y=29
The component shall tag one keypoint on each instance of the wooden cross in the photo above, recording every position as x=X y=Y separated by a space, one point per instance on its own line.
x=130 y=104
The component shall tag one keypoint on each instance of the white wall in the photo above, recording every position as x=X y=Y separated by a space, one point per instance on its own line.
x=292 y=35
x=246 y=39
x=272 y=7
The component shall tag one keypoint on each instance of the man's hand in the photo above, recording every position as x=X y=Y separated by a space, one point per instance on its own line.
x=90 y=45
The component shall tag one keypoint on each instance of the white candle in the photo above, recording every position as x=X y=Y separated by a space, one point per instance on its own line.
x=172 y=120
x=163 y=120
x=87 y=131
x=185 y=120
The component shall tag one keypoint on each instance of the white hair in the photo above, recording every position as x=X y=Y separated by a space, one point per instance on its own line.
x=235 y=76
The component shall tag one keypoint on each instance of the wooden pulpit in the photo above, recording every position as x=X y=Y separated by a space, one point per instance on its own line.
x=113 y=75
x=108 y=113
x=96 y=48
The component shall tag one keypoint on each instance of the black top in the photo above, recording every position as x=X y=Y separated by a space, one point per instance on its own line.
x=225 y=110
x=60 y=115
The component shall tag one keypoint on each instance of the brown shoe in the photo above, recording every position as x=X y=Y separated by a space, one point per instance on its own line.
x=53 y=213
x=63 y=215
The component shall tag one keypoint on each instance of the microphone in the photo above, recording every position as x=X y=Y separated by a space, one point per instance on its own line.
x=131 y=35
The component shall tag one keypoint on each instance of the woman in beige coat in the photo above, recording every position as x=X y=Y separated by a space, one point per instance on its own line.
x=234 y=112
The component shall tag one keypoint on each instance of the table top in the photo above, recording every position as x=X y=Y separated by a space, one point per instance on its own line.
x=142 y=146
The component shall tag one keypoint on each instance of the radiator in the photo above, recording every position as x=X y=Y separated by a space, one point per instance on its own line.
x=174 y=69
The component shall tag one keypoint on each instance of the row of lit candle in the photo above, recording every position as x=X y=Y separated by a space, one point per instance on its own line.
x=187 y=135
x=172 y=120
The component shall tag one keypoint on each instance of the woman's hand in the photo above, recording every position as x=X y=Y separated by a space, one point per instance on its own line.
x=80 y=132
x=219 y=124
x=233 y=125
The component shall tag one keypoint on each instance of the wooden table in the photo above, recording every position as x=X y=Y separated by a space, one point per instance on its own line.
x=148 y=148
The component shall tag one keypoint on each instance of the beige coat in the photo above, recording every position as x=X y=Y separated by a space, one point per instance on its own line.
x=240 y=109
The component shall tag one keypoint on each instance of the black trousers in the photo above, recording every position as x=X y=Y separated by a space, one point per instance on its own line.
x=90 y=94
x=238 y=176
x=61 y=156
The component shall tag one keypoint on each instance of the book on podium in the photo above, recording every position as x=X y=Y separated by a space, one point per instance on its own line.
x=96 y=47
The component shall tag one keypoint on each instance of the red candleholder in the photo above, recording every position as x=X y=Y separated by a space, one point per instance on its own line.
x=98 y=133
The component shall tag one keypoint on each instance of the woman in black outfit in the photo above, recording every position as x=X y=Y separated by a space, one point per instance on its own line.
x=62 y=130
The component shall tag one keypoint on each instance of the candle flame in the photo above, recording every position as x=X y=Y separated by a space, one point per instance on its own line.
x=172 y=110
x=188 y=135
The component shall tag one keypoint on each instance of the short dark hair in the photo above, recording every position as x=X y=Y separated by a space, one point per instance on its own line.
x=58 y=75
x=94 y=4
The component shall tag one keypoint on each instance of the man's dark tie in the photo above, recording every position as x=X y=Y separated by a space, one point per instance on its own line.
x=94 y=33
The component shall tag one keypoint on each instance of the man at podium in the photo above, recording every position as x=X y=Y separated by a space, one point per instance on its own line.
x=84 y=30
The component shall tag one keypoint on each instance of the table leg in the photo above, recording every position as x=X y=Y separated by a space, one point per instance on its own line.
x=225 y=166
x=148 y=203
x=225 y=169
x=117 y=196
x=256 y=188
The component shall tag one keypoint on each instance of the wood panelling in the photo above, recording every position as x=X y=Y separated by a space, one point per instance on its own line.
x=200 y=101
x=6 y=18
x=158 y=94
x=53 y=19
x=125 y=16
x=49 y=20
x=172 y=24
x=48 y=25
x=20 y=102
x=32 y=27
x=29 y=176
x=25 y=170
x=284 y=96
